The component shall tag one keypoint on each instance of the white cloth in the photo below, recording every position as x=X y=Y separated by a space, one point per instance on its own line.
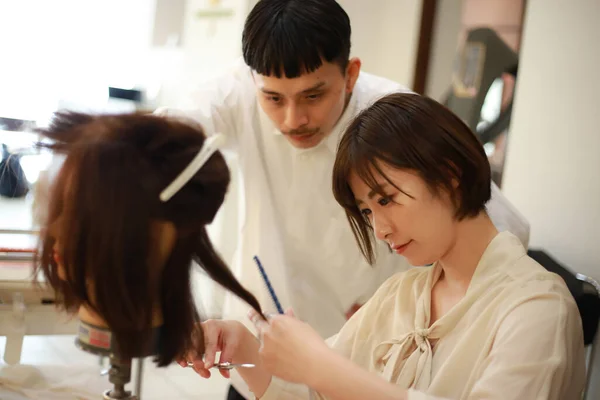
x=24 y=382
x=516 y=335
x=288 y=216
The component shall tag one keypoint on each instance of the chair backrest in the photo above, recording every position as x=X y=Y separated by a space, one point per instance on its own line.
x=586 y=292
x=586 y=295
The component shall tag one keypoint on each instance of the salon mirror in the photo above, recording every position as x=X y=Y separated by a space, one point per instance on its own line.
x=482 y=91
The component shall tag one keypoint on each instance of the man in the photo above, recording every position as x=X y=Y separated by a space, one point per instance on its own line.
x=283 y=111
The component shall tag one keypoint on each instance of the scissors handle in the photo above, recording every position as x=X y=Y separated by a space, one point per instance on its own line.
x=226 y=365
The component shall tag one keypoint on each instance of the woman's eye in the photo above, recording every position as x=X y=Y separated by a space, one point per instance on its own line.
x=366 y=212
x=384 y=201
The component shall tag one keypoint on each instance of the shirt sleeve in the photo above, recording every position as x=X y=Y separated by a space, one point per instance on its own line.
x=537 y=354
x=415 y=395
x=343 y=343
x=280 y=389
x=215 y=105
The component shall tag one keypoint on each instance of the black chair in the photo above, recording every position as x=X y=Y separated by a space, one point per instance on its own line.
x=586 y=292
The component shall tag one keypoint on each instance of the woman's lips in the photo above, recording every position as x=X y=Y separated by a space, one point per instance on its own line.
x=399 y=249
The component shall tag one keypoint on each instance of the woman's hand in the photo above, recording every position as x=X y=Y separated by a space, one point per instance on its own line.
x=228 y=337
x=291 y=349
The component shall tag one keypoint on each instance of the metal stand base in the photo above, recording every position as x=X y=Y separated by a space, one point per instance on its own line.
x=109 y=395
x=98 y=341
x=119 y=375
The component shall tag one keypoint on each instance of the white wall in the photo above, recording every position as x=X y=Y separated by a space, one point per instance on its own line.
x=54 y=50
x=553 y=163
x=385 y=36
x=67 y=52
x=207 y=46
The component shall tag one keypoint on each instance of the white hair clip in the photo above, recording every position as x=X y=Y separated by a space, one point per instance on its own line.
x=210 y=145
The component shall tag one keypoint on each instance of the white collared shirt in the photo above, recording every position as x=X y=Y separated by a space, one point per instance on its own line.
x=288 y=216
x=327 y=273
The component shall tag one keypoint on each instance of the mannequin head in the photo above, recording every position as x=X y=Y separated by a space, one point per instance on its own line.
x=111 y=249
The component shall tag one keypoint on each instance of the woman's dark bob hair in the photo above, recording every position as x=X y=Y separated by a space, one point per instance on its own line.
x=411 y=132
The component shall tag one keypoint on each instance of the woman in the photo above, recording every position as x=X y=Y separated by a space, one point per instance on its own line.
x=483 y=322
x=127 y=214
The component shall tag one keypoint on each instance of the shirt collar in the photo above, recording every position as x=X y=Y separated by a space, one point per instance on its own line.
x=332 y=140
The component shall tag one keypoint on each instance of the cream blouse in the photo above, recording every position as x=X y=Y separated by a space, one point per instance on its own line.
x=515 y=335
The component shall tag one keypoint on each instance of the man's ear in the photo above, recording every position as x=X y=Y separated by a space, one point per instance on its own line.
x=352 y=72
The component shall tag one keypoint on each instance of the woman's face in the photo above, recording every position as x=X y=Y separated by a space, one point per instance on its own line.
x=415 y=221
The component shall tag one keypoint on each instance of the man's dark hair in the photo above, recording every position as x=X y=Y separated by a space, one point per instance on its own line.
x=292 y=37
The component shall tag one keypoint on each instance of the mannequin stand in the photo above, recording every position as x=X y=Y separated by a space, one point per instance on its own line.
x=119 y=375
x=97 y=341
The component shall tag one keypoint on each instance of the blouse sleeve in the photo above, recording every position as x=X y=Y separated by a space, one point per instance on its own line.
x=342 y=343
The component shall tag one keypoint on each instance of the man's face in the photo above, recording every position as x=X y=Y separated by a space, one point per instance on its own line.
x=305 y=109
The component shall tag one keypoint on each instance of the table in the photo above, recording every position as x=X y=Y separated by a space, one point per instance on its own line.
x=26 y=308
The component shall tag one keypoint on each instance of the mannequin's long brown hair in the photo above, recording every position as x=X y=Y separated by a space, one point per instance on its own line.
x=102 y=208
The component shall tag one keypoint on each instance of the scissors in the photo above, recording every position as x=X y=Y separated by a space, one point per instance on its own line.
x=226 y=365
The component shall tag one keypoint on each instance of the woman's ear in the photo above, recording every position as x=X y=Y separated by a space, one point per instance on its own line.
x=455 y=174
x=455 y=183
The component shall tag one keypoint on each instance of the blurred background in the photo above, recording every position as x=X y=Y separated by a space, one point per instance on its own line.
x=522 y=73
